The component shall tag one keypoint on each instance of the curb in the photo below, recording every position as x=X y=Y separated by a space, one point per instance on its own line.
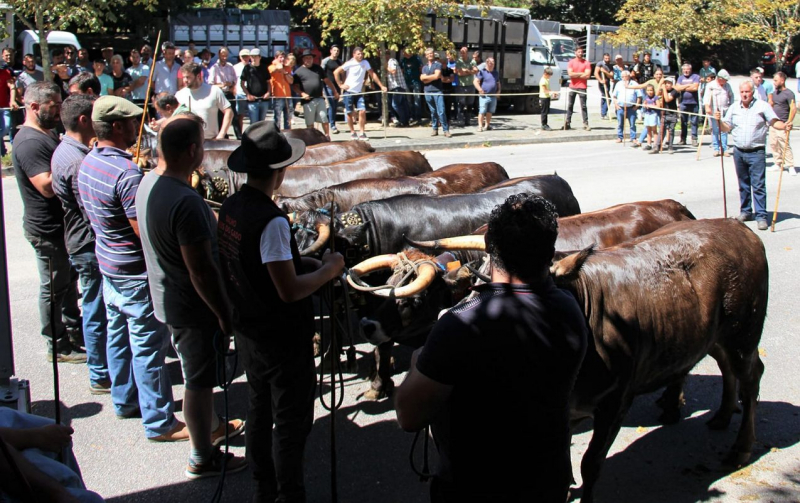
x=8 y=171
x=488 y=142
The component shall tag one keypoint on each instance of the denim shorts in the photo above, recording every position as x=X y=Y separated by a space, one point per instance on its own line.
x=349 y=100
x=487 y=104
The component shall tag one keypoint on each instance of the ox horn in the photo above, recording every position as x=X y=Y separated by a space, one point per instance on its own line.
x=475 y=242
x=426 y=274
x=324 y=233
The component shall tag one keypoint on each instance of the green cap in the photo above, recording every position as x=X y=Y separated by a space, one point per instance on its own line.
x=114 y=108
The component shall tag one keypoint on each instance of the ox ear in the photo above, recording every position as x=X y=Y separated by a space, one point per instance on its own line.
x=567 y=268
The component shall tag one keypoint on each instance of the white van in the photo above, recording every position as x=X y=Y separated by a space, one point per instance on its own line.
x=28 y=42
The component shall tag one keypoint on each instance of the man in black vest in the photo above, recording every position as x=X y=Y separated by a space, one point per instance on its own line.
x=266 y=280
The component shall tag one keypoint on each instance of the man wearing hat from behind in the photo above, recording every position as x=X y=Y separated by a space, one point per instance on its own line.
x=268 y=283
x=137 y=342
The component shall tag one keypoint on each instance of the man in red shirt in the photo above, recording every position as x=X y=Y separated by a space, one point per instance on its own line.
x=6 y=76
x=579 y=70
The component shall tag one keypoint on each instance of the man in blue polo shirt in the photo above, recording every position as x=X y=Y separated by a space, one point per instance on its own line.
x=137 y=341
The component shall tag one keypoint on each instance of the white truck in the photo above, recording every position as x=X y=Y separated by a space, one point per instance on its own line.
x=29 y=42
x=561 y=46
x=509 y=36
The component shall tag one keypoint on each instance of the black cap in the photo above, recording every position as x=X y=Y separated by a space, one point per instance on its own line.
x=264 y=147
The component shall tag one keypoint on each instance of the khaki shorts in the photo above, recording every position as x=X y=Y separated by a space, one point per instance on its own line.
x=198 y=348
x=315 y=111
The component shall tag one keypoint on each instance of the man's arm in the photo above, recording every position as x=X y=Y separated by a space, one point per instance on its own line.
x=419 y=399
x=337 y=74
x=332 y=87
x=375 y=79
x=41 y=484
x=427 y=79
x=574 y=75
x=207 y=281
x=35 y=162
x=43 y=182
x=292 y=287
x=598 y=75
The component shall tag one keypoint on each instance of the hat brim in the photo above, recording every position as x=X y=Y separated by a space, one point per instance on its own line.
x=238 y=163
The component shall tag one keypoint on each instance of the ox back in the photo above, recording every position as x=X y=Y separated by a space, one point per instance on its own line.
x=421 y=217
x=557 y=189
x=451 y=179
x=301 y=180
x=309 y=136
x=330 y=152
x=228 y=145
x=656 y=306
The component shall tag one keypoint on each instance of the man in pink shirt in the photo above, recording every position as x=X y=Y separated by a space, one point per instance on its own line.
x=579 y=70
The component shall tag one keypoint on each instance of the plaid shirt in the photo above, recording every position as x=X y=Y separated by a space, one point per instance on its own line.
x=396 y=79
x=749 y=126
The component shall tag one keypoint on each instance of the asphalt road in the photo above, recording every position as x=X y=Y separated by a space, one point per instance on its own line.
x=647 y=462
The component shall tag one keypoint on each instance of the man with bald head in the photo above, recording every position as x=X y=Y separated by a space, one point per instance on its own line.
x=179 y=238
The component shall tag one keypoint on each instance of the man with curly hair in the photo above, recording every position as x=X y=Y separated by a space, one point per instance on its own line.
x=494 y=378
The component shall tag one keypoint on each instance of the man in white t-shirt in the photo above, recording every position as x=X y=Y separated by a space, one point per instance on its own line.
x=241 y=97
x=350 y=78
x=205 y=100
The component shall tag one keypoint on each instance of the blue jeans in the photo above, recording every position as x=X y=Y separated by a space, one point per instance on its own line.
x=688 y=118
x=603 y=100
x=631 y=114
x=416 y=101
x=281 y=108
x=750 y=168
x=400 y=106
x=94 y=312
x=435 y=103
x=714 y=139
x=137 y=345
x=5 y=128
x=257 y=110
x=331 y=107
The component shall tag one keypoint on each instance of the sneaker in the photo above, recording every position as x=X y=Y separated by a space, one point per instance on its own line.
x=213 y=467
x=694 y=142
x=586 y=127
x=334 y=130
x=447 y=134
x=647 y=147
x=793 y=171
x=235 y=427
x=101 y=387
x=763 y=225
x=363 y=136
x=178 y=433
x=636 y=144
x=488 y=128
x=435 y=132
x=653 y=151
x=670 y=150
x=67 y=355
x=682 y=142
x=745 y=217
x=354 y=136
x=566 y=126
x=546 y=128
x=132 y=414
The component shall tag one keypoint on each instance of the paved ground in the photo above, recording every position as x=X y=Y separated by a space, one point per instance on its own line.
x=648 y=462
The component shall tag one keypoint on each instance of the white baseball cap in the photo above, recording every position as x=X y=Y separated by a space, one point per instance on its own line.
x=244 y=52
x=255 y=52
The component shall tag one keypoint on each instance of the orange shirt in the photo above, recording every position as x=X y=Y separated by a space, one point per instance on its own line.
x=280 y=86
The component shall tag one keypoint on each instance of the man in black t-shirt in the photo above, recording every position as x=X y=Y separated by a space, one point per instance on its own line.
x=605 y=82
x=783 y=103
x=330 y=64
x=494 y=378
x=255 y=83
x=43 y=221
x=309 y=80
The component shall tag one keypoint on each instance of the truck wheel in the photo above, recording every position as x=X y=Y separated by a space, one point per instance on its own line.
x=532 y=105
x=519 y=104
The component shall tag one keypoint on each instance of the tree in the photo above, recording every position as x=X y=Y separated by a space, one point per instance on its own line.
x=649 y=23
x=774 y=22
x=381 y=25
x=44 y=16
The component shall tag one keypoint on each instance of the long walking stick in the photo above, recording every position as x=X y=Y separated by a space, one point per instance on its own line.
x=780 y=179
x=721 y=159
x=147 y=98
x=700 y=140
x=607 y=97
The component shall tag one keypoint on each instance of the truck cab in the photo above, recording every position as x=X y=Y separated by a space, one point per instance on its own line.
x=563 y=50
x=28 y=42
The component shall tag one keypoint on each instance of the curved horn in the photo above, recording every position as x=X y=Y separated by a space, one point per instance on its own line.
x=292 y=217
x=475 y=242
x=374 y=263
x=323 y=234
x=427 y=272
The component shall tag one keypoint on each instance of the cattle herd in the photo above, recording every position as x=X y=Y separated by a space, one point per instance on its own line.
x=660 y=289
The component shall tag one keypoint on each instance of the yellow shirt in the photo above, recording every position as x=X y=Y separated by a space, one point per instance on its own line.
x=544 y=87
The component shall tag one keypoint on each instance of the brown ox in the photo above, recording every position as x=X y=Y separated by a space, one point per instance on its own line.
x=328 y=153
x=301 y=180
x=308 y=136
x=452 y=179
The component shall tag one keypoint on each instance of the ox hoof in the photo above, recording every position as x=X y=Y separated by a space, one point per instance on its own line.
x=373 y=395
x=670 y=416
x=719 y=421
x=666 y=402
x=737 y=459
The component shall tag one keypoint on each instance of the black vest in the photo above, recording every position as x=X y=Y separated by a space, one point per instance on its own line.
x=242 y=219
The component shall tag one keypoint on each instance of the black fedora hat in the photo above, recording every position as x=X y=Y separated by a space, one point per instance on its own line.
x=264 y=147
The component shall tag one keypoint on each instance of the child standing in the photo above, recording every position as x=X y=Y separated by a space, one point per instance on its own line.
x=651 y=118
x=544 y=96
x=669 y=100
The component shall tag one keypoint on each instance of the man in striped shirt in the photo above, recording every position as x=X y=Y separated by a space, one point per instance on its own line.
x=76 y=115
x=137 y=341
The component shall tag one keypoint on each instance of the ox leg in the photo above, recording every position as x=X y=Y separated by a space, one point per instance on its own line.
x=748 y=369
x=607 y=422
x=729 y=404
x=671 y=402
x=382 y=384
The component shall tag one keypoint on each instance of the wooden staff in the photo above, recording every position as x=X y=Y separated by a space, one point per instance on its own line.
x=721 y=158
x=780 y=179
x=607 y=97
x=700 y=140
x=147 y=97
x=663 y=133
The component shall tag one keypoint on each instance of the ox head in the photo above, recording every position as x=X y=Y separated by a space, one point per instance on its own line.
x=351 y=233
x=407 y=311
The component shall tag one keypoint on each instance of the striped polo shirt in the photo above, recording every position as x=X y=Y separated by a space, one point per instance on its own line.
x=108 y=181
